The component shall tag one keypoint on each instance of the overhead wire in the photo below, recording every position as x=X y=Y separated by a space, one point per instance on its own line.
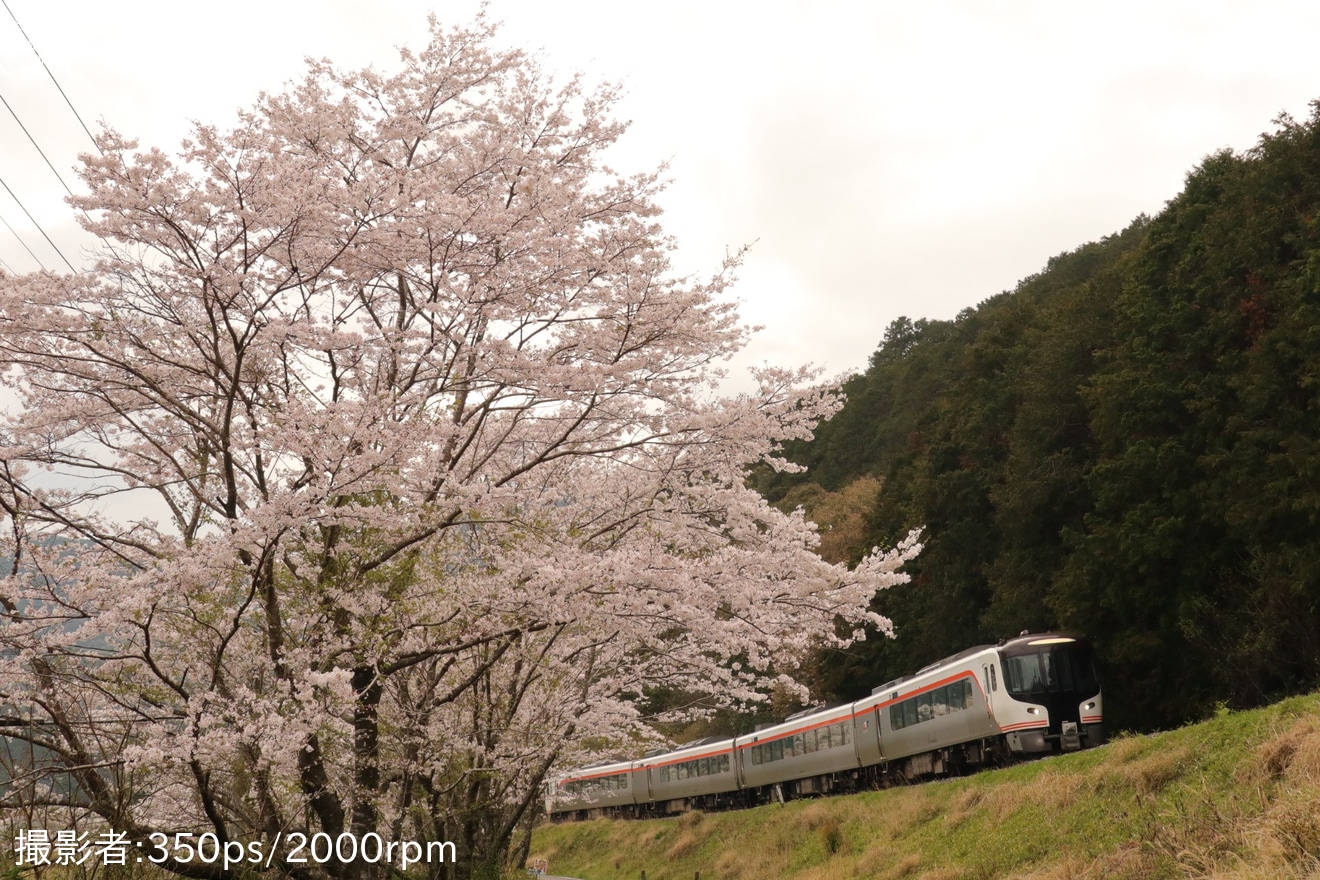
x=22 y=242
x=35 y=144
x=51 y=75
x=42 y=152
x=36 y=224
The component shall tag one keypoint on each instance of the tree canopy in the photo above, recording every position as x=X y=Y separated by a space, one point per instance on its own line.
x=377 y=465
x=1124 y=445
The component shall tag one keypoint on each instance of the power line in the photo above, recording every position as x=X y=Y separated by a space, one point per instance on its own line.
x=36 y=224
x=52 y=77
x=35 y=144
x=22 y=242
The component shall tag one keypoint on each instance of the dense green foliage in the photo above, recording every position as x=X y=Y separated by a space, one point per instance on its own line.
x=1127 y=445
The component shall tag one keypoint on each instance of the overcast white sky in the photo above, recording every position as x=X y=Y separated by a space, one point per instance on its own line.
x=886 y=158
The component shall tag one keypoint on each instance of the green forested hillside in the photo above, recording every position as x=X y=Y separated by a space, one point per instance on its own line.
x=1127 y=445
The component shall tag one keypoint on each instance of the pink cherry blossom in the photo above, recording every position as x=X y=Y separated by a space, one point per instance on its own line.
x=379 y=465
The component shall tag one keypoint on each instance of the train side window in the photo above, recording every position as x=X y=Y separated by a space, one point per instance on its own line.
x=968 y=694
x=923 y=708
x=756 y=755
x=845 y=729
x=896 y=716
x=909 y=713
x=809 y=740
x=705 y=767
x=777 y=750
x=939 y=702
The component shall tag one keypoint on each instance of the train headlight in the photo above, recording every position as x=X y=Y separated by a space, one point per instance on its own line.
x=1033 y=710
x=1089 y=706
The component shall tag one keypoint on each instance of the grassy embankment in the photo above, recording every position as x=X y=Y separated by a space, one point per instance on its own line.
x=1234 y=798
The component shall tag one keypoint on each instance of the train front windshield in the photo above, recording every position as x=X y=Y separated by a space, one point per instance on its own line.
x=1060 y=668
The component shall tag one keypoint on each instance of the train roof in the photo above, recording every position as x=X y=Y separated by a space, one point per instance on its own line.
x=691 y=751
x=801 y=721
x=596 y=770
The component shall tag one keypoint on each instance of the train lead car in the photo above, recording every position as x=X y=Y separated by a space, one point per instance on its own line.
x=1029 y=696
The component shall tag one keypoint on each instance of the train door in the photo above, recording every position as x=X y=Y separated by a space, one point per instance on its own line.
x=990 y=682
x=866 y=733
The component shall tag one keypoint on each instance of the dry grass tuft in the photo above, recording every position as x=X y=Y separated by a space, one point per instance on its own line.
x=1001 y=802
x=685 y=845
x=1294 y=754
x=1294 y=824
x=1305 y=764
x=691 y=820
x=815 y=814
x=944 y=873
x=962 y=807
x=1128 y=748
x=906 y=867
x=1058 y=791
x=1142 y=770
x=880 y=862
x=1129 y=862
x=1069 y=868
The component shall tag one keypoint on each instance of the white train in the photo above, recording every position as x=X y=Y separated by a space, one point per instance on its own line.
x=1028 y=696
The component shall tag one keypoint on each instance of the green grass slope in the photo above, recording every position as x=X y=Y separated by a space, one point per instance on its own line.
x=1233 y=798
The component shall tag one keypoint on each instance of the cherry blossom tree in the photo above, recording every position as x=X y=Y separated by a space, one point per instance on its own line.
x=378 y=465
